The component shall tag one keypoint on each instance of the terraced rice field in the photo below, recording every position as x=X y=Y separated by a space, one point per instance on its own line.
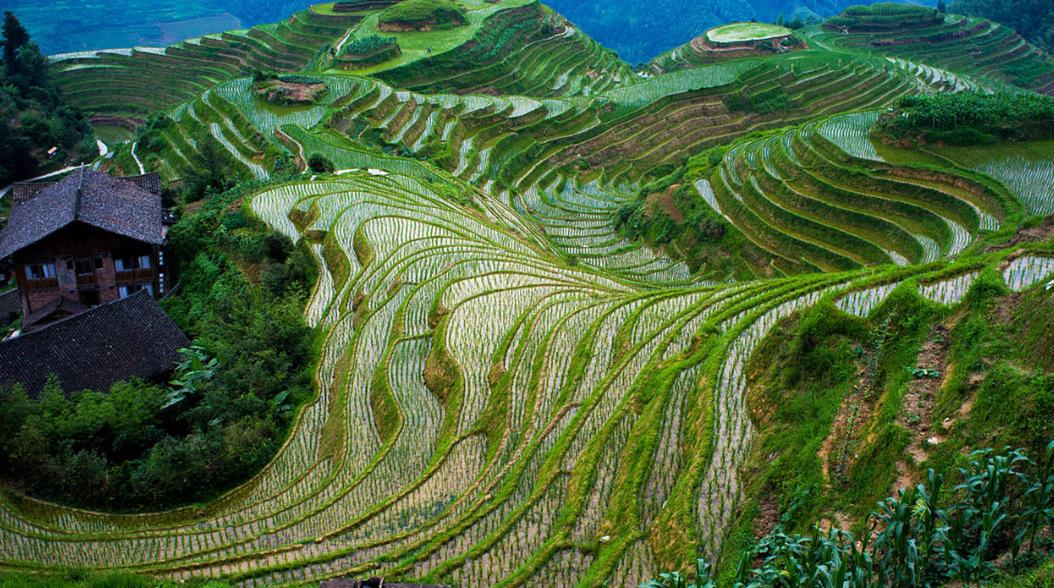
x=967 y=46
x=523 y=392
x=819 y=197
x=510 y=393
x=131 y=84
x=746 y=31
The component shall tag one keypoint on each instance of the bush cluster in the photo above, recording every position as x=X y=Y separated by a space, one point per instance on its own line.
x=368 y=45
x=437 y=14
x=886 y=15
x=971 y=118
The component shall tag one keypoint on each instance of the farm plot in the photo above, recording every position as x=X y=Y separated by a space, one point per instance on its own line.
x=821 y=196
x=460 y=364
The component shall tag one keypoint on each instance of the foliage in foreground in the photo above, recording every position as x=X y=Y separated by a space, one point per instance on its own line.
x=925 y=536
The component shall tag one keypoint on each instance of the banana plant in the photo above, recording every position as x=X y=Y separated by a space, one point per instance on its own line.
x=192 y=373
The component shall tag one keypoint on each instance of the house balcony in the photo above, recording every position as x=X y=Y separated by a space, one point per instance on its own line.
x=43 y=284
x=136 y=275
x=86 y=280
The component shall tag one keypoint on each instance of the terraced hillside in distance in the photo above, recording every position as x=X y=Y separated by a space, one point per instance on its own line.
x=552 y=291
x=965 y=45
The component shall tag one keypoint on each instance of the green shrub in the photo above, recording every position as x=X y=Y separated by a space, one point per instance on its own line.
x=885 y=15
x=435 y=14
x=367 y=45
x=971 y=118
x=320 y=163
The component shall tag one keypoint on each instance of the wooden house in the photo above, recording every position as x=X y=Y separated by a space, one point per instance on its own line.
x=86 y=240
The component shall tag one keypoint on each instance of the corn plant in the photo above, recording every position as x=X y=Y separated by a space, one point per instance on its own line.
x=913 y=529
x=986 y=512
x=703 y=578
x=1038 y=500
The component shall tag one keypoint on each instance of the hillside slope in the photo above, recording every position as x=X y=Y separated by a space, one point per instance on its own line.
x=580 y=325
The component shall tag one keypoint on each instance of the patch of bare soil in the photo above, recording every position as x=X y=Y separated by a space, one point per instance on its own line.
x=281 y=92
x=839 y=448
x=768 y=516
x=916 y=411
x=1042 y=232
x=665 y=201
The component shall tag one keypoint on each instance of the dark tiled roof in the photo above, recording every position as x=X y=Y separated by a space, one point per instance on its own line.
x=129 y=338
x=59 y=306
x=113 y=204
x=10 y=306
x=22 y=191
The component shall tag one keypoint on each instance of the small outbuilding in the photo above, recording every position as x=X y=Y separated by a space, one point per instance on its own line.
x=128 y=338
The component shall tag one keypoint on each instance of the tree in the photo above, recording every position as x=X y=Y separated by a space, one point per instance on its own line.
x=319 y=163
x=15 y=37
x=33 y=115
x=941 y=7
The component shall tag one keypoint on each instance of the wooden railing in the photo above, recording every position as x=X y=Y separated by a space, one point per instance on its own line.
x=43 y=284
x=135 y=275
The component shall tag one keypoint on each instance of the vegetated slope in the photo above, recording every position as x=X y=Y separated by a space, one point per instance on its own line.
x=520 y=47
x=128 y=85
x=37 y=126
x=510 y=392
x=516 y=48
x=965 y=45
x=1034 y=20
x=858 y=399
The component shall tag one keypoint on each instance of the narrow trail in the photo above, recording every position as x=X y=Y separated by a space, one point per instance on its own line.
x=142 y=170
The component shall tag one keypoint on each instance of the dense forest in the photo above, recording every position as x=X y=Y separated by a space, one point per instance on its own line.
x=33 y=116
x=1033 y=19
